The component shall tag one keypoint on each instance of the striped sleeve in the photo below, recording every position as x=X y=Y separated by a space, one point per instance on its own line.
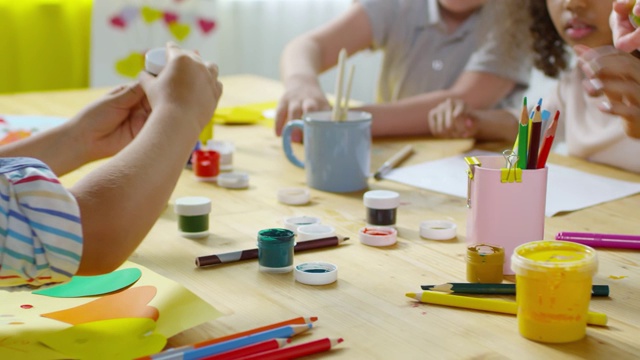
x=40 y=229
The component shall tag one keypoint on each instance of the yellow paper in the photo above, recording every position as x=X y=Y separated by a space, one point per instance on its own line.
x=244 y=114
x=126 y=338
x=179 y=310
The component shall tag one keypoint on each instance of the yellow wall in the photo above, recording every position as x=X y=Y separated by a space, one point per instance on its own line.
x=44 y=44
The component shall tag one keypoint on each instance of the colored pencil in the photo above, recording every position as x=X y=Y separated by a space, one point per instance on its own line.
x=501 y=289
x=613 y=241
x=217 y=259
x=534 y=142
x=294 y=321
x=499 y=306
x=262 y=346
x=523 y=136
x=200 y=352
x=296 y=351
x=549 y=136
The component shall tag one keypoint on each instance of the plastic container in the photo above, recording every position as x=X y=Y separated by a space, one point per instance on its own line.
x=484 y=263
x=553 y=289
x=275 y=250
x=381 y=207
x=193 y=216
x=205 y=164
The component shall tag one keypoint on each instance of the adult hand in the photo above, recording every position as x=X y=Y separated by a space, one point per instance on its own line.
x=625 y=35
x=616 y=75
x=451 y=119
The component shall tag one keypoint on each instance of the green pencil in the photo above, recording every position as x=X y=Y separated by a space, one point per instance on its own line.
x=503 y=289
x=523 y=136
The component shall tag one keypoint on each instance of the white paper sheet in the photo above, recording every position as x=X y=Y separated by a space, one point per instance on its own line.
x=567 y=189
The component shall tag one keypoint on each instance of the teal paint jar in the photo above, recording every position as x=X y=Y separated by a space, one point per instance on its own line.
x=275 y=250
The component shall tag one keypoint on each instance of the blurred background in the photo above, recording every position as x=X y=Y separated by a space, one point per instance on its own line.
x=63 y=44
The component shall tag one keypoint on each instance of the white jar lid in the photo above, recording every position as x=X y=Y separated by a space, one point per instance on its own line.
x=378 y=235
x=192 y=206
x=316 y=273
x=155 y=60
x=438 y=229
x=233 y=180
x=294 y=222
x=381 y=199
x=294 y=196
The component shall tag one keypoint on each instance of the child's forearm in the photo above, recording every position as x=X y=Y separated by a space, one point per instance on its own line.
x=121 y=200
x=51 y=147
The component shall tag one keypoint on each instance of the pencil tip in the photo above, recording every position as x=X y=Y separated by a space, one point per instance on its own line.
x=340 y=340
x=313 y=318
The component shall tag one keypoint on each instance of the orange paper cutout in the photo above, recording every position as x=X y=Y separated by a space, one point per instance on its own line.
x=130 y=303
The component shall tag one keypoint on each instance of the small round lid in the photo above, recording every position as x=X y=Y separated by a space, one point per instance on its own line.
x=381 y=199
x=294 y=196
x=155 y=60
x=192 y=206
x=438 y=229
x=316 y=273
x=233 y=180
x=378 y=235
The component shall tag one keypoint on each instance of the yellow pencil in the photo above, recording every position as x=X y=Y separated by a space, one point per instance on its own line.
x=494 y=305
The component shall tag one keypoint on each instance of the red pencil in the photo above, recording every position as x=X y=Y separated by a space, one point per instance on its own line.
x=534 y=140
x=292 y=352
x=549 y=135
x=295 y=321
x=262 y=346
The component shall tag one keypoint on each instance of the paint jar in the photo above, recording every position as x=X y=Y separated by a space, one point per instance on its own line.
x=275 y=250
x=315 y=231
x=225 y=149
x=293 y=222
x=553 y=289
x=484 y=263
x=193 y=216
x=155 y=60
x=205 y=164
x=381 y=207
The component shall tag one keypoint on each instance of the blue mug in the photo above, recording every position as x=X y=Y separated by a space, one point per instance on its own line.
x=337 y=153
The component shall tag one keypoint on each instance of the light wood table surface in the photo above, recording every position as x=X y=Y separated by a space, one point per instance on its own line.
x=366 y=306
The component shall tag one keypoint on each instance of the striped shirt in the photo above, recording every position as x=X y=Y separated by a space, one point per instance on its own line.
x=40 y=229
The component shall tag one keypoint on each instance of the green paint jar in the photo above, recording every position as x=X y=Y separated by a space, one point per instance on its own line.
x=275 y=250
x=193 y=216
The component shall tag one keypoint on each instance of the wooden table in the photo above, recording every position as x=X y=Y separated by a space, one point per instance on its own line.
x=366 y=306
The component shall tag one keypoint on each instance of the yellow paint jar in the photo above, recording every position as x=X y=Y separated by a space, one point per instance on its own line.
x=484 y=263
x=553 y=289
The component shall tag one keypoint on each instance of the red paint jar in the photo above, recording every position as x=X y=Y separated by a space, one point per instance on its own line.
x=205 y=164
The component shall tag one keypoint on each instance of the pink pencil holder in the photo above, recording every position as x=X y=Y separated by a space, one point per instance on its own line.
x=506 y=206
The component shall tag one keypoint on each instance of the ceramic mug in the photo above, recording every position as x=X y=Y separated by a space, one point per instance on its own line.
x=337 y=153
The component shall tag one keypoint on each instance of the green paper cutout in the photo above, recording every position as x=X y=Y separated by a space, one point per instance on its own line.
x=125 y=338
x=93 y=285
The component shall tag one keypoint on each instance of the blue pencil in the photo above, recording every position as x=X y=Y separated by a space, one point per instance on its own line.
x=198 y=353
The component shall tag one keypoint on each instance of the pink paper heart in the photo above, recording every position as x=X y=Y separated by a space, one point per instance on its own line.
x=118 y=22
x=170 y=18
x=206 y=25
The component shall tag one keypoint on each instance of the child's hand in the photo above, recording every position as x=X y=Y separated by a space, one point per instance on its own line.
x=298 y=99
x=616 y=75
x=626 y=36
x=110 y=123
x=451 y=119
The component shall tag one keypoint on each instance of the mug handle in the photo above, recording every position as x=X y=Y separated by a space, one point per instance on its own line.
x=286 y=141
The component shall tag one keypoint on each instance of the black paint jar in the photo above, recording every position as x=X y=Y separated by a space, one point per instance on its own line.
x=381 y=207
